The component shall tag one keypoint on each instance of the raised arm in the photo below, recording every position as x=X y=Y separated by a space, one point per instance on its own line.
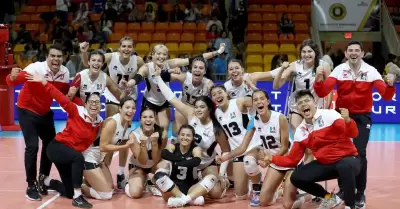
x=324 y=87
x=138 y=77
x=285 y=74
x=179 y=62
x=84 y=46
x=388 y=90
x=244 y=103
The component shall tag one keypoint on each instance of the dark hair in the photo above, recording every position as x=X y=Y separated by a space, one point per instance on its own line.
x=302 y=93
x=314 y=47
x=211 y=107
x=355 y=43
x=187 y=126
x=97 y=52
x=236 y=60
x=125 y=99
x=57 y=47
x=157 y=128
x=266 y=95
x=90 y=95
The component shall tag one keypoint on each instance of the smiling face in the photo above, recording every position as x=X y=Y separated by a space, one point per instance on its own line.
x=235 y=71
x=185 y=137
x=306 y=106
x=54 y=59
x=128 y=110
x=198 y=70
x=260 y=102
x=95 y=63
x=159 y=54
x=147 y=120
x=308 y=55
x=126 y=48
x=201 y=110
x=354 y=54
x=219 y=96
x=93 y=105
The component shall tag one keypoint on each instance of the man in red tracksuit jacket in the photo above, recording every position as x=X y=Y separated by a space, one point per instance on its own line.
x=355 y=80
x=327 y=134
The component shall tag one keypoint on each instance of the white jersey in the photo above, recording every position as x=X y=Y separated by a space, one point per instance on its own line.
x=93 y=154
x=87 y=86
x=118 y=71
x=204 y=138
x=191 y=92
x=269 y=135
x=232 y=121
x=238 y=91
x=304 y=79
x=152 y=92
x=138 y=133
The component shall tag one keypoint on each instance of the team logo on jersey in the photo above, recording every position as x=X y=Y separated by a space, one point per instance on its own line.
x=194 y=125
x=219 y=118
x=84 y=87
x=186 y=87
x=272 y=129
x=233 y=94
x=320 y=122
x=233 y=115
x=259 y=129
x=363 y=76
x=117 y=133
x=115 y=67
x=130 y=69
x=345 y=75
x=313 y=73
x=99 y=86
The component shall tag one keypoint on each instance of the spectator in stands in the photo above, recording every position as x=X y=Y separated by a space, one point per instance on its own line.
x=149 y=15
x=42 y=53
x=82 y=13
x=82 y=35
x=106 y=25
x=192 y=13
x=70 y=33
x=24 y=59
x=214 y=21
x=237 y=27
x=224 y=39
x=286 y=26
x=162 y=15
x=277 y=61
x=57 y=32
x=110 y=12
x=220 y=63
x=126 y=5
x=177 y=15
x=212 y=33
x=23 y=36
x=98 y=35
x=62 y=11
x=327 y=58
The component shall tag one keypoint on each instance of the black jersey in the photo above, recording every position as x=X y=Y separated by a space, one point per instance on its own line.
x=184 y=177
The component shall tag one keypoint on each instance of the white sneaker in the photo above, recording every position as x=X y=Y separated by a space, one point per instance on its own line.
x=174 y=202
x=153 y=190
x=199 y=201
x=298 y=203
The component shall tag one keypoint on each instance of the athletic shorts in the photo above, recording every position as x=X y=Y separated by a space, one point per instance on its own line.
x=155 y=108
x=146 y=170
x=90 y=166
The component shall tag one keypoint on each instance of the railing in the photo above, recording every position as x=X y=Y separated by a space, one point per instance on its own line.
x=314 y=31
x=389 y=32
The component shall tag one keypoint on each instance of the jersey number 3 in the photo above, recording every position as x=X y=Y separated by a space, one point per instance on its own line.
x=182 y=173
x=232 y=129
x=269 y=142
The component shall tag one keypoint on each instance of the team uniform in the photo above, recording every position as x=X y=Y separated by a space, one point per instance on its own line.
x=191 y=92
x=269 y=135
x=304 y=79
x=117 y=71
x=205 y=139
x=93 y=156
x=153 y=98
x=238 y=91
x=234 y=124
x=183 y=177
x=133 y=162
x=87 y=86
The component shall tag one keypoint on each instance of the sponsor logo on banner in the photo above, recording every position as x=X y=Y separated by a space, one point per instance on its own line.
x=382 y=111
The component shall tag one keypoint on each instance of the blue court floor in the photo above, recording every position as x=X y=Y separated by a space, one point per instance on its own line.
x=379 y=132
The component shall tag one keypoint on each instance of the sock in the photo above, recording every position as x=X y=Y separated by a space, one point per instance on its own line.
x=77 y=192
x=186 y=198
x=121 y=170
x=328 y=196
x=47 y=181
x=256 y=187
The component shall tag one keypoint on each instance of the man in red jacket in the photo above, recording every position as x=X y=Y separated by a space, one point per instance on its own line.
x=327 y=134
x=35 y=116
x=355 y=80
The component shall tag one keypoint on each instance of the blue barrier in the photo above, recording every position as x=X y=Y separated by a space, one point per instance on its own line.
x=382 y=111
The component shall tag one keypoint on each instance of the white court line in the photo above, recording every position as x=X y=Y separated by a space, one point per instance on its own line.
x=58 y=194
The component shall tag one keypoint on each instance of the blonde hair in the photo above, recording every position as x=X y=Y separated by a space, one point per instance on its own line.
x=156 y=48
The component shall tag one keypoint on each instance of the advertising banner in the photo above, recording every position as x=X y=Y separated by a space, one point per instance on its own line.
x=350 y=16
x=382 y=111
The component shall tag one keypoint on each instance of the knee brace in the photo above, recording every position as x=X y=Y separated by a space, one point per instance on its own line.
x=163 y=182
x=251 y=166
x=100 y=195
x=208 y=182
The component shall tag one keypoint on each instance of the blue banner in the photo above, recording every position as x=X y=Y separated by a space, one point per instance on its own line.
x=382 y=111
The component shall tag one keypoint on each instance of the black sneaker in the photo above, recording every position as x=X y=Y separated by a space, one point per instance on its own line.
x=81 y=202
x=360 y=201
x=120 y=179
x=32 y=193
x=42 y=188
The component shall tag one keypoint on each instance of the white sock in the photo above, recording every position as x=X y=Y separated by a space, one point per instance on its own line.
x=77 y=193
x=47 y=181
x=186 y=198
x=121 y=170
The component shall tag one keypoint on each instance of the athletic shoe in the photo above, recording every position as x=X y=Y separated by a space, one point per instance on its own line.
x=42 y=188
x=120 y=179
x=255 y=201
x=32 y=193
x=298 y=203
x=153 y=190
x=329 y=203
x=81 y=202
x=360 y=201
x=174 y=202
x=347 y=207
x=199 y=201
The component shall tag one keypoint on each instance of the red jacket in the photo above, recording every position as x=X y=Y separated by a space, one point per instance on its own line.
x=328 y=138
x=32 y=96
x=81 y=130
x=354 y=91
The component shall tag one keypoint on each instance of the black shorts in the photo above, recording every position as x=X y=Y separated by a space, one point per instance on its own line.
x=184 y=186
x=155 y=108
x=145 y=170
x=90 y=166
